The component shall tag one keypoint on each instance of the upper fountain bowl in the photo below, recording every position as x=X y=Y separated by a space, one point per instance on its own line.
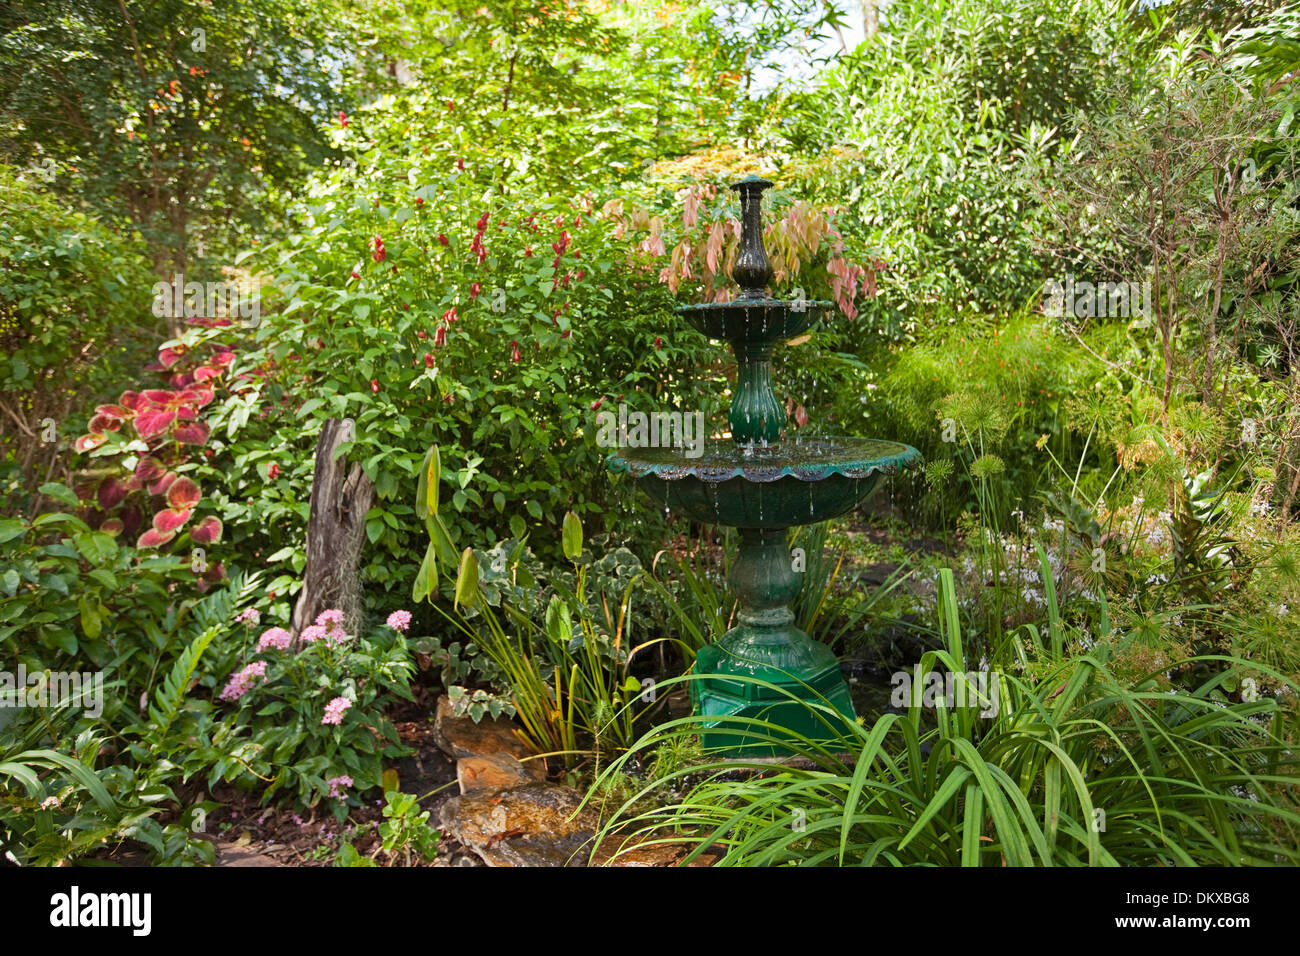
x=800 y=481
x=755 y=320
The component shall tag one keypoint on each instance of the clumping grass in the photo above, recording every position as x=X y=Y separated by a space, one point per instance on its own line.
x=1077 y=767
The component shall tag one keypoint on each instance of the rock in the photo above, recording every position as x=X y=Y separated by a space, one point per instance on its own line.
x=491 y=772
x=461 y=737
x=532 y=825
x=536 y=825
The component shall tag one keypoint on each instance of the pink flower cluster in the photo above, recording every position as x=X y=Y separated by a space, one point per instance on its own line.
x=250 y=615
x=242 y=682
x=276 y=637
x=327 y=627
x=338 y=785
x=399 y=620
x=335 y=710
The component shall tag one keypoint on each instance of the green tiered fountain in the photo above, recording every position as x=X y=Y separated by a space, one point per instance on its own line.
x=763 y=484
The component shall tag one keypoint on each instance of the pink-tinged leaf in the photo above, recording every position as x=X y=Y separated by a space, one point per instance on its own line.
x=208 y=531
x=801 y=416
x=113 y=411
x=160 y=486
x=149 y=469
x=223 y=358
x=104 y=423
x=170 y=356
x=186 y=413
x=184 y=493
x=215 y=572
x=89 y=442
x=195 y=395
x=691 y=207
x=152 y=539
x=182 y=379
x=112 y=526
x=132 y=517
x=133 y=483
x=111 y=493
x=152 y=423
x=130 y=401
x=205 y=372
x=158 y=396
x=195 y=433
x=168 y=521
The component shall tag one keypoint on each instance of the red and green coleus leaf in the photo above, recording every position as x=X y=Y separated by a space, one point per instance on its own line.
x=161 y=486
x=149 y=469
x=89 y=442
x=208 y=531
x=112 y=526
x=169 y=521
x=154 y=539
x=111 y=493
x=169 y=356
x=152 y=422
x=183 y=494
x=192 y=433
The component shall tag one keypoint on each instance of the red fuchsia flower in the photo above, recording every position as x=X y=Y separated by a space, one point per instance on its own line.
x=450 y=315
x=451 y=105
x=272 y=471
x=566 y=333
x=474 y=289
x=343 y=120
x=658 y=342
x=460 y=164
x=419 y=200
x=482 y=223
x=374 y=385
x=421 y=334
x=442 y=237
x=428 y=360
x=578 y=275
x=440 y=336
x=597 y=403
x=356 y=275
x=514 y=352
x=380 y=253
x=528 y=251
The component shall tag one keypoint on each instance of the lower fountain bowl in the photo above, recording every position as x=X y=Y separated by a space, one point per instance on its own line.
x=797 y=482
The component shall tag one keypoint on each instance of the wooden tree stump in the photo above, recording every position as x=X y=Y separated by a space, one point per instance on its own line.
x=340 y=497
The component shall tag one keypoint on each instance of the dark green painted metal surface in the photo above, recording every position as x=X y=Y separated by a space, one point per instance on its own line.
x=763 y=485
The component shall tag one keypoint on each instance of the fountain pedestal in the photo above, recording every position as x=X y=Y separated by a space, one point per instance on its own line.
x=766 y=646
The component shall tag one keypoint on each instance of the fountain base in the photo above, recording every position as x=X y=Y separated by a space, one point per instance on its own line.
x=807 y=697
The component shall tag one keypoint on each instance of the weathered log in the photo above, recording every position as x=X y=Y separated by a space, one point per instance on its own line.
x=340 y=497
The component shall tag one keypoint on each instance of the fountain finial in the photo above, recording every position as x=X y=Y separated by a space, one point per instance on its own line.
x=752 y=271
